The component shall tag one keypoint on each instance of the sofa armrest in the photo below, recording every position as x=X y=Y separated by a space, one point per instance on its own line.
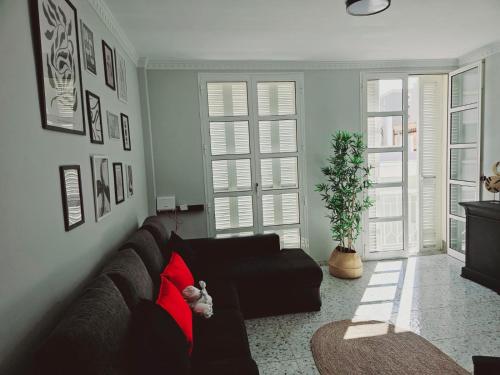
x=214 y=249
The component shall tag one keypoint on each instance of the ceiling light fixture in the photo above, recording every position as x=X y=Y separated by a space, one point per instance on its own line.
x=366 y=7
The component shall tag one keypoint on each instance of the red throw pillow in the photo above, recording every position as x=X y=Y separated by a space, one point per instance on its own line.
x=171 y=300
x=178 y=273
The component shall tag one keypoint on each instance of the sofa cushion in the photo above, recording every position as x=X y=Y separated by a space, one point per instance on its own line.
x=178 y=273
x=171 y=300
x=157 y=228
x=182 y=247
x=291 y=265
x=92 y=337
x=130 y=276
x=222 y=336
x=145 y=246
x=224 y=294
x=159 y=343
x=227 y=366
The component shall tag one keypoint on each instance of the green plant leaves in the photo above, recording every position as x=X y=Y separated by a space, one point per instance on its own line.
x=347 y=178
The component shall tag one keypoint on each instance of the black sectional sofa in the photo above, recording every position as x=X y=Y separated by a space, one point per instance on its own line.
x=247 y=277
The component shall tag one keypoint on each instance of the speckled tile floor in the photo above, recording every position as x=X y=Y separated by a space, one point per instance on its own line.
x=426 y=294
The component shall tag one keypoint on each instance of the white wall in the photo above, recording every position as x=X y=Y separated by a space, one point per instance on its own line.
x=41 y=266
x=491 y=120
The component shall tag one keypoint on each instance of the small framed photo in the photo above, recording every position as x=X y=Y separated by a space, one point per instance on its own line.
x=56 y=44
x=113 y=125
x=119 y=189
x=100 y=182
x=109 y=65
x=88 y=49
x=121 y=76
x=72 y=199
x=130 y=182
x=125 y=132
x=94 y=118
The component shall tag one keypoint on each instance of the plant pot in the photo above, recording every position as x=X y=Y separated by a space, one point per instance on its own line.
x=345 y=265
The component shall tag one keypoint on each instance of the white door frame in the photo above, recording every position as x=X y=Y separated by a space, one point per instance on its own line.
x=366 y=76
x=476 y=184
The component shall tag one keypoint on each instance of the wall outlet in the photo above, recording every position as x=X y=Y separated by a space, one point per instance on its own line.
x=166 y=203
x=183 y=207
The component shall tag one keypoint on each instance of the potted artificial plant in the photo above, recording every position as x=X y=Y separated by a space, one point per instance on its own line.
x=347 y=176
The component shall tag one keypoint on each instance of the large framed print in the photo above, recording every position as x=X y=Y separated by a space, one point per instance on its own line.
x=71 y=193
x=100 y=182
x=94 y=118
x=57 y=55
x=88 y=49
x=121 y=77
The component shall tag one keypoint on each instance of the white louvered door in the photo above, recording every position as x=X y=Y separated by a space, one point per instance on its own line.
x=251 y=127
x=432 y=115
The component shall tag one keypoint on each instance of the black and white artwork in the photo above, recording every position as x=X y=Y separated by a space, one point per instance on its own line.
x=121 y=77
x=119 y=189
x=100 y=179
x=113 y=125
x=88 y=49
x=125 y=132
x=130 y=182
x=57 y=53
x=94 y=118
x=71 y=193
x=109 y=65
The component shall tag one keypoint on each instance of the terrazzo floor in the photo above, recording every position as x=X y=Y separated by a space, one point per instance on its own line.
x=425 y=294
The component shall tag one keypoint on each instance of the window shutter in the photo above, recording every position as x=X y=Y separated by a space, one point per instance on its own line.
x=431 y=120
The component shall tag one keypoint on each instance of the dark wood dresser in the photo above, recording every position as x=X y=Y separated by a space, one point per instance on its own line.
x=482 y=257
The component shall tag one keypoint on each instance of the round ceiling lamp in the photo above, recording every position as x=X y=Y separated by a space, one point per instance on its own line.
x=366 y=7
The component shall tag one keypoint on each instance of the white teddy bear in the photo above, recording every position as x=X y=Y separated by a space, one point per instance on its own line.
x=199 y=300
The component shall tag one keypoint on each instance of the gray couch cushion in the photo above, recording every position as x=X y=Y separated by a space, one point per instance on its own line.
x=156 y=227
x=145 y=246
x=131 y=277
x=92 y=337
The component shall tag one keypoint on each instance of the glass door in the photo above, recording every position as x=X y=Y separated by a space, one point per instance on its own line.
x=464 y=151
x=386 y=124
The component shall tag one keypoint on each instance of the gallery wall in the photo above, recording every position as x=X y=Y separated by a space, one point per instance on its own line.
x=42 y=267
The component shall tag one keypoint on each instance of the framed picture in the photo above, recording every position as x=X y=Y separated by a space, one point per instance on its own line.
x=113 y=125
x=100 y=182
x=121 y=76
x=88 y=49
x=71 y=193
x=125 y=132
x=130 y=182
x=57 y=55
x=94 y=118
x=109 y=66
x=119 y=189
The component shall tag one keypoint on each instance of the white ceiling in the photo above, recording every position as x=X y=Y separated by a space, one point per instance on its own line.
x=317 y=30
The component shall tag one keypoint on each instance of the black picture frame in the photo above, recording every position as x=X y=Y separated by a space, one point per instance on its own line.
x=125 y=132
x=69 y=212
x=52 y=62
x=118 y=179
x=88 y=49
x=109 y=66
x=94 y=116
x=101 y=186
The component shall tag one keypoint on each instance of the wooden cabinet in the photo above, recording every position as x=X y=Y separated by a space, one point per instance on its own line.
x=482 y=257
